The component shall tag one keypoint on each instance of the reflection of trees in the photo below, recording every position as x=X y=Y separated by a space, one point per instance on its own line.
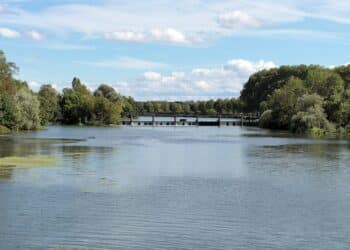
x=78 y=151
x=80 y=157
x=319 y=150
x=23 y=147
x=317 y=157
x=6 y=173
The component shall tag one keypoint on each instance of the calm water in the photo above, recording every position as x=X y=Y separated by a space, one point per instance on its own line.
x=175 y=188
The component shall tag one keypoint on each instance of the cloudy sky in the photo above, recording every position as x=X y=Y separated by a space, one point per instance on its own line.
x=165 y=49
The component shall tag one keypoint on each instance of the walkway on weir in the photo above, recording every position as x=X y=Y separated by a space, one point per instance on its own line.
x=182 y=120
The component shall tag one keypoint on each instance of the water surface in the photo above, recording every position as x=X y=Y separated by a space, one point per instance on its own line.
x=175 y=188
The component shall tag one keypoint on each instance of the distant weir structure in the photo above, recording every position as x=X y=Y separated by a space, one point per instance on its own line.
x=248 y=120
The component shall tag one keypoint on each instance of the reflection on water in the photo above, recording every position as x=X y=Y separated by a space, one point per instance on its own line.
x=6 y=172
x=171 y=188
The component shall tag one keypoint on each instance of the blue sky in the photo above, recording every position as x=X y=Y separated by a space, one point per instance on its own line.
x=163 y=49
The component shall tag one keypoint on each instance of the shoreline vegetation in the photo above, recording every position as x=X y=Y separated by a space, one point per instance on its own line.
x=303 y=99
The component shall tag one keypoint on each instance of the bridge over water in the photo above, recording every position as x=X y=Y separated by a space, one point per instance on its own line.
x=191 y=120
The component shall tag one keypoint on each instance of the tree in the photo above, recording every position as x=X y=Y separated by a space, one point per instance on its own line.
x=107 y=92
x=282 y=103
x=310 y=116
x=8 y=112
x=330 y=86
x=50 y=110
x=7 y=69
x=28 y=109
x=19 y=107
x=176 y=108
x=262 y=84
x=106 y=112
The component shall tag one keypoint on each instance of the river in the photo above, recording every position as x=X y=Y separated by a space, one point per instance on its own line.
x=175 y=188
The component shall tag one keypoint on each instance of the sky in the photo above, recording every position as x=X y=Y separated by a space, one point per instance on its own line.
x=169 y=50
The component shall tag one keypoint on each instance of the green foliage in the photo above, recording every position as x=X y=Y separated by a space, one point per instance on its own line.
x=19 y=107
x=50 y=109
x=310 y=116
x=8 y=111
x=347 y=130
x=79 y=106
x=107 y=92
x=28 y=110
x=283 y=101
x=106 y=112
x=129 y=107
x=306 y=99
x=211 y=107
x=330 y=86
x=266 y=120
x=344 y=72
x=264 y=83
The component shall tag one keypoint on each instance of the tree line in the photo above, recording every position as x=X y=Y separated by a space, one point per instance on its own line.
x=210 y=107
x=22 y=109
x=304 y=99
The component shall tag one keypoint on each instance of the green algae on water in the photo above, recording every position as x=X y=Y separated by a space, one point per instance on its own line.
x=29 y=161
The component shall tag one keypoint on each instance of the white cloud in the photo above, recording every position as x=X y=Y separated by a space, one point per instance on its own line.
x=126 y=63
x=238 y=20
x=152 y=76
x=167 y=35
x=246 y=67
x=200 y=83
x=126 y=36
x=9 y=33
x=182 y=22
x=35 y=35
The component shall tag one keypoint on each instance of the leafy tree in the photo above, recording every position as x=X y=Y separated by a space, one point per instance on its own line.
x=283 y=101
x=344 y=72
x=107 y=92
x=50 y=109
x=330 y=86
x=7 y=69
x=106 y=112
x=80 y=88
x=19 y=107
x=28 y=110
x=262 y=84
x=8 y=112
x=176 y=108
x=310 y=116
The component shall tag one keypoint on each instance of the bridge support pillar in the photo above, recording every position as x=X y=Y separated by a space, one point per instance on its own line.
x=153 y=120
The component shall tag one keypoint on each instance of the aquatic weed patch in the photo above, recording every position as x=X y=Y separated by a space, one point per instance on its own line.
x=29 y=161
